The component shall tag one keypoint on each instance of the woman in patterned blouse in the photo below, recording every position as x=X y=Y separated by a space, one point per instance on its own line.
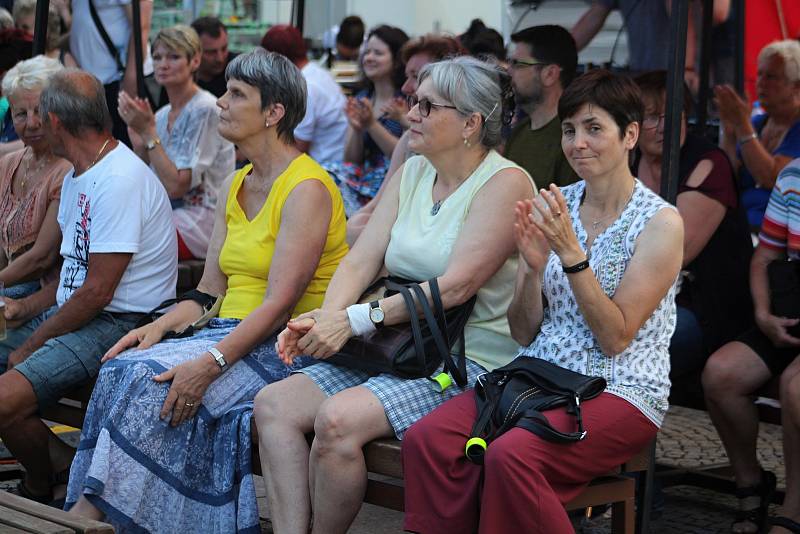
x=595 y=294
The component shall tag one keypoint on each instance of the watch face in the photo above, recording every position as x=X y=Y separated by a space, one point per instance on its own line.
x=376 y=315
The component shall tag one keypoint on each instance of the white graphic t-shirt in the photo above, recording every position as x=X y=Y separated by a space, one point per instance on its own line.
x=119 y=205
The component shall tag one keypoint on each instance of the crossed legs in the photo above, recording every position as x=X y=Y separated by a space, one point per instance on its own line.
x=329 y=478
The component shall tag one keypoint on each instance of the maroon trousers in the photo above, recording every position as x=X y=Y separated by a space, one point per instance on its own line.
x=525 y=480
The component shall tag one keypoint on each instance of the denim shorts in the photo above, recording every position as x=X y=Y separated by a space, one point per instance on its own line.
x=68 y=361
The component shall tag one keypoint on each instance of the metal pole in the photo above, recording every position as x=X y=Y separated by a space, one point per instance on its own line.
x=739 y=12
x=705 y=65
x=138 y=55
x=676 y=62
x=40 y=27
x=300 y=14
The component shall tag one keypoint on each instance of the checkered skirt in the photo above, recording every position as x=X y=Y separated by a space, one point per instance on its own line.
x=404 y=400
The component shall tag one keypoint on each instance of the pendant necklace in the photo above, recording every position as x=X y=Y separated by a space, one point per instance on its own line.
x=436 y=206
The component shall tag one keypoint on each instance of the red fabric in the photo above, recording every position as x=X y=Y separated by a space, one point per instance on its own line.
x=762 y=26
x=525 y=479
x=183 y=251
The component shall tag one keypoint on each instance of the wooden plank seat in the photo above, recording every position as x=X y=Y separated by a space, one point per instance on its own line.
x=18 y=514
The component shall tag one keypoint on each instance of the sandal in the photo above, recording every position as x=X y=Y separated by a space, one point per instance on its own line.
x=756 y=516
x=785 y=522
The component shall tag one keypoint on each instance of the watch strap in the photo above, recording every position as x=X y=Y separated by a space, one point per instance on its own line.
x=218 y=357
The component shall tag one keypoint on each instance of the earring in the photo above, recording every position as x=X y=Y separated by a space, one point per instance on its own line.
x=266 y=124
x=467 y=143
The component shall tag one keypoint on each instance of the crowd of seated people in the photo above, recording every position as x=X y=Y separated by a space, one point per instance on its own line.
x=437 y=162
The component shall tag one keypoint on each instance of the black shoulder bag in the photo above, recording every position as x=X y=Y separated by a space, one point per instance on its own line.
x=516 y=394
x=417 y=348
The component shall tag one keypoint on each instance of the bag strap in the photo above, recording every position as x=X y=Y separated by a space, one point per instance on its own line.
x=534 y=421
x=104 y=35
x=458 y=372
x=416 y=330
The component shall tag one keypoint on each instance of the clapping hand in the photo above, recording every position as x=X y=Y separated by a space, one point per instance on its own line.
x=531 y=243
x=397 y=110
x=137 y=114
x=734 y=111
x=550 y=215
x=359 y=113
x=318 y=333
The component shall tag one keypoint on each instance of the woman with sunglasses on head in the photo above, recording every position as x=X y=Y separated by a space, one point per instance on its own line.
x=595 y=294
x=714 y=304
x=449 y=215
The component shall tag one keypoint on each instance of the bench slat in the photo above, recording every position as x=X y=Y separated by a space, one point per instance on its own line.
x=15 y=503
x=30 y=523
x=8 y=529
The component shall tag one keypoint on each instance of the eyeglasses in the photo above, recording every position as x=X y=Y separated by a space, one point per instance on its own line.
x=651 y=121
x=425 y=105
x=522 y=63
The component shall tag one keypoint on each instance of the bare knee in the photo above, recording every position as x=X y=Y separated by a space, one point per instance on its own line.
x=267 y=405
x=335 y=431
x=725 y=373
x=17 y=400
x=790 y=391
x=292 y=402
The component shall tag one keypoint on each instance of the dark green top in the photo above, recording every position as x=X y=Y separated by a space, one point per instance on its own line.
x=539 y=152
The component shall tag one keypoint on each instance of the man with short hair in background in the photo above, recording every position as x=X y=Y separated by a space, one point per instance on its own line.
x=541 y=65
x=215 y=57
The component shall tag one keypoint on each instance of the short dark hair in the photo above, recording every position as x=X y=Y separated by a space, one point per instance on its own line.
x=617 y=94
x=551 y=44
x=394 y=38
x=487 y=43
x=351 y=32
x=653 y=85
x=437 y=46
x=287 y=40
x=211 y=26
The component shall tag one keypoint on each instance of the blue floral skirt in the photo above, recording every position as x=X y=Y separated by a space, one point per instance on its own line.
x=358 y=183
x=147 y=476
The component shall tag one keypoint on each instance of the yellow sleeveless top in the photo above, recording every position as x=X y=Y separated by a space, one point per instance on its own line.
x=246 y=255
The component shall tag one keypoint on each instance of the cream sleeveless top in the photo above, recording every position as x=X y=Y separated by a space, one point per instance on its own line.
x=421 y=244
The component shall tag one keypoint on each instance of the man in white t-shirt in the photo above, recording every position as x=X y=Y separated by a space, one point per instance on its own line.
x=322 y=131
x=120 y=261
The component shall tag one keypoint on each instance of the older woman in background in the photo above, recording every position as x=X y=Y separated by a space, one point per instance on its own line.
x=760 y=147
x=181 y=142
x=166 y=442
x=30 y=186
x=449 y=215
x=714 y=304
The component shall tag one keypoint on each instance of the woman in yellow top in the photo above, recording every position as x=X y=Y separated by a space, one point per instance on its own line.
x=166 y=442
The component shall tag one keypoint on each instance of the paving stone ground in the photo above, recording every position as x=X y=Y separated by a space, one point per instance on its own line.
x=687 y=440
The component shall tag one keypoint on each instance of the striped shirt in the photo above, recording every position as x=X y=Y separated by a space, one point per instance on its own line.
x=780 y=229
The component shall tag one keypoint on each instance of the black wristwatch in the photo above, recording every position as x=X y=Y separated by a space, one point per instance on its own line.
x=376 y=314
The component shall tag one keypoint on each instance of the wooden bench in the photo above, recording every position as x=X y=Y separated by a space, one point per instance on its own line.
x=385 y=486
x=19 y=515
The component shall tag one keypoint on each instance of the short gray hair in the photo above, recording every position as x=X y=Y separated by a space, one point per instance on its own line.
x=474 y=86
x=78 y=100
x=789 y=51
x=278 y=80
x=6 y=20
x=30 y=75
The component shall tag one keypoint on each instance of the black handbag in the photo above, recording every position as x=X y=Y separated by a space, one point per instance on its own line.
x=784 y=291
x=417 y=348
x=516 y=394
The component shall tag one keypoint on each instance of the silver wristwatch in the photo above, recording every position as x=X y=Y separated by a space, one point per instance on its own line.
x=219 y=358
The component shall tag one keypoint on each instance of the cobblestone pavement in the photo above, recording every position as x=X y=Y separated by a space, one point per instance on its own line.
x=687 y=440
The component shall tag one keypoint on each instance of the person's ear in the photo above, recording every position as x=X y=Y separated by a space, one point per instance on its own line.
x=631 y=136
x=472 y=128
x=274 y=113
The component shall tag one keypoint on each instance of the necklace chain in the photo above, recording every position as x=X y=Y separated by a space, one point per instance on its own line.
x=97 y=157
x=42 y=164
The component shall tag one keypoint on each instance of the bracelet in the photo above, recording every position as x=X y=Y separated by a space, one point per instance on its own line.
x=743 y=140
x=360 y=323
x=152 y=143
x=578 y=267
